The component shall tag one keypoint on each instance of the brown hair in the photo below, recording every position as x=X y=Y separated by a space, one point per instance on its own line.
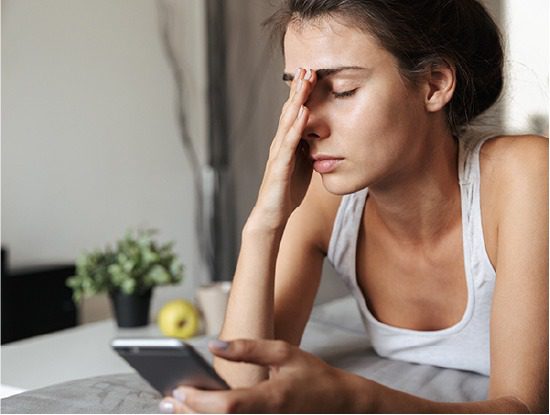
x=421 y=34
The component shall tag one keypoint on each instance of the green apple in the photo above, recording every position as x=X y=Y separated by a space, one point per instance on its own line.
x=178 y=318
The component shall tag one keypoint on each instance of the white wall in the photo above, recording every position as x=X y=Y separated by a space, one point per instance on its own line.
x=90 y=145
x=525 y=24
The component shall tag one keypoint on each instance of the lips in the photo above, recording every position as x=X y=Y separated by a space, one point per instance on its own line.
x=324 y=163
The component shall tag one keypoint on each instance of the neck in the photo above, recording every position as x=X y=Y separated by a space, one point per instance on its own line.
x=422 y=200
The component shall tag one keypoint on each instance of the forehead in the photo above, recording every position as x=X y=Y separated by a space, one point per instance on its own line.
x=327 y=42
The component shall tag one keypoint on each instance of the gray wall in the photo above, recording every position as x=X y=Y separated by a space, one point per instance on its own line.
x=256 y=94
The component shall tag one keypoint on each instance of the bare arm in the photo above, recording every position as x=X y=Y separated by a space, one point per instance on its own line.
x=250 y=311
x=519 y=325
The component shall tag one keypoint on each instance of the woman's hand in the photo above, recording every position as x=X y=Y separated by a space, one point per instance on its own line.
x=289 y=166
x=299 y=382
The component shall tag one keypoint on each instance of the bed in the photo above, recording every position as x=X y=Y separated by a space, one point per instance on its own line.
x=334 y=333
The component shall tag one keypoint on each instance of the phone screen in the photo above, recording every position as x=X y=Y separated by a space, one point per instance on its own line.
x=168 y=363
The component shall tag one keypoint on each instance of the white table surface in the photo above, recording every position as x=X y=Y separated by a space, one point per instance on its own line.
x=75 y=353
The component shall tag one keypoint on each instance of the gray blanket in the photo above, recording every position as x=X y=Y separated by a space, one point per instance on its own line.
x=334 y=333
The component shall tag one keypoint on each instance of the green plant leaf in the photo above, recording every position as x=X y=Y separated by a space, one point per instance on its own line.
x=135 y=264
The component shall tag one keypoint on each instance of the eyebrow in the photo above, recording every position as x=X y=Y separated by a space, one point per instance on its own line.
x=323 y=73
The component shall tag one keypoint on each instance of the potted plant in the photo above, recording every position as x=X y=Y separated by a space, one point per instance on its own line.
x=128 y=273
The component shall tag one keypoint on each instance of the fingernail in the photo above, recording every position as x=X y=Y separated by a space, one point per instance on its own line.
x=307 y=75
x=297 y=73
x=166 y=407
x=179 y=395
x=218 y=344
x=299 y=86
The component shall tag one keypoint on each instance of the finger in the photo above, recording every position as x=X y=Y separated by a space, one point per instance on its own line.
x=300 y=92
x=247 y=400
x=305 y=78
x=171 y=405
x=298 y=74
x=207 y=402
x=290 y=120
x=289 y=144
x=299 y=97
x=308 y=75
x=288 y=137
x=311 y=77
x=260 y=352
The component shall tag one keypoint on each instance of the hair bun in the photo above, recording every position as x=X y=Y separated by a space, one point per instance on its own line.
x=479 y=61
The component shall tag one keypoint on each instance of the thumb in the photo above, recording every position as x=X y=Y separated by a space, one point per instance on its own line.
x=260 y=352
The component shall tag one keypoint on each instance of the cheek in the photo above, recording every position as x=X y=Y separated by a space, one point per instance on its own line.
x=376 y=133
x=382 y=110
x=384 y=114
x=370 y=120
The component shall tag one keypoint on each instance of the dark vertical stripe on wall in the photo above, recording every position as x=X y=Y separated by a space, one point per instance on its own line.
x=223 y=220
x=217 y=92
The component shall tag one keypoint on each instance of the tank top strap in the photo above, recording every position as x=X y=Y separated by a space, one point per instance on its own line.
x=475 y=255
x=468 y=161
x=343 y=241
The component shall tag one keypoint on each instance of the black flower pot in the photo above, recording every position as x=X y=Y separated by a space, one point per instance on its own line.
x=131 y=310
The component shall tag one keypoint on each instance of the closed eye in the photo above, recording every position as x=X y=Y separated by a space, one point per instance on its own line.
x=344 y=94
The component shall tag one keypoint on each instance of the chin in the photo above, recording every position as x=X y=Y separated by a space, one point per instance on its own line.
x=340 y=185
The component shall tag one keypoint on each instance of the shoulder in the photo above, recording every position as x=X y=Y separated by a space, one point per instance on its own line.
x=514 y=178
x=507 y=154
x=513 y=163
x=510 y=161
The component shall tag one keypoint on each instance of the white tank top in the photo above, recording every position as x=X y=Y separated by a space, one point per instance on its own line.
x=463 y=346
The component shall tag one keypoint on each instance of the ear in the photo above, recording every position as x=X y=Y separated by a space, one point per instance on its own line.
x=440 y=86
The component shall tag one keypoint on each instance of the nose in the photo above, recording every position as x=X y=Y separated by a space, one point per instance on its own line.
x=317 y=126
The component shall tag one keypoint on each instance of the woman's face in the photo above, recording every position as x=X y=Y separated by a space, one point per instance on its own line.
x=361 y=110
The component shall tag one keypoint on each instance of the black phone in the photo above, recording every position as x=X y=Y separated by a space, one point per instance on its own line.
x=167 y=363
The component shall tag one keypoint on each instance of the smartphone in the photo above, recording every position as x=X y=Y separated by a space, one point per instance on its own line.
x=167 y=363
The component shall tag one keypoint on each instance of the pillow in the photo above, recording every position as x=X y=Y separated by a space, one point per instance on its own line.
x=124 y=393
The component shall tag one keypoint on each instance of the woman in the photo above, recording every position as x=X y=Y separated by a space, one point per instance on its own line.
x=444 y=239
